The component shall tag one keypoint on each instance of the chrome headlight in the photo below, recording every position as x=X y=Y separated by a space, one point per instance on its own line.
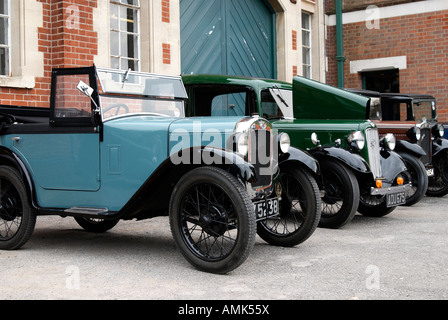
x=242 y=143
x=389 y=141
x=357 y=140
x=438 y=130
x=315 y=138
x=284 y=142
x=414 y=133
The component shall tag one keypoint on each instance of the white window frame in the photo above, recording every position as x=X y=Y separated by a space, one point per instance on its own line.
x=308 y=47
x=120 y=57
x=8 y=45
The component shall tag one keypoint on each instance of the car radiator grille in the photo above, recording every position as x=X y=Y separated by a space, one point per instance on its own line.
x=426 y=144
x=373 y=148
x=261 y=156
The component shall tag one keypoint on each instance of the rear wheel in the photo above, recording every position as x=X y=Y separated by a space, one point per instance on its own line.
x=96 y=225
x=341 y=195
x=300 y=207
x=17 y=220
x=212 y=220
x=418 y=176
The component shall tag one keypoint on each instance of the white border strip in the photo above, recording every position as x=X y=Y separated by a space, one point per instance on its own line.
x=399 y=62
x=392 y=11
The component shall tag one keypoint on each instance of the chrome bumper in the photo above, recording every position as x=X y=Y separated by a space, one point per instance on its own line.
x=389 y=190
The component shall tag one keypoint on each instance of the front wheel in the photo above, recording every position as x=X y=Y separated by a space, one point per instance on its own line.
x=300 y=208
x=17 y=220
x=212 y=220
x=374 y=206
x=419 y=179
x=438 y=183
x=341 y=195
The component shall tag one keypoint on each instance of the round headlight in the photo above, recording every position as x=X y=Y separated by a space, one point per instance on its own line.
x=390 y=141
x=438 y=130
x=414 y=133
x=284 y=142
x=315 y=138
x=242 y=144
x=357 y=140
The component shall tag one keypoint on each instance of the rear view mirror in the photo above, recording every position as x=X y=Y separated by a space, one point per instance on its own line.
x=84 y=88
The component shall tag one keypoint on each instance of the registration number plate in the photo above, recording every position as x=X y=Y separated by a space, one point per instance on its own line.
x=266 y=208
x=396 y=199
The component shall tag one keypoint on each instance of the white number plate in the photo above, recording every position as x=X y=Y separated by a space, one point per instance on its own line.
x=265 y=209
x=396 y=199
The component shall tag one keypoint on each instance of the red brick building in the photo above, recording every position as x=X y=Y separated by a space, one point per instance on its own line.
x=394 y=45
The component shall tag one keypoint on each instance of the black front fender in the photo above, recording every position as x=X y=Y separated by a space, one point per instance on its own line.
x=412 y=148
x=354 y=161
x=392 y=165
x=301 y=158
x=439 y=145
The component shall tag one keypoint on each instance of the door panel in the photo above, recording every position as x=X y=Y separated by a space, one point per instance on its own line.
x=228 y=37
x=62 y=161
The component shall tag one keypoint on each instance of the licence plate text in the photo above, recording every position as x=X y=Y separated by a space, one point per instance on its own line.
x=396 y=199
x=265 y=209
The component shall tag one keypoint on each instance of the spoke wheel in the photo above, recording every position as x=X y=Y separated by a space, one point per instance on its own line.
x=17 y=221
x=299 y=210
x=341 y=195
x=96 y=225
x=438 y=184
x=418 y=178
x=212 y=220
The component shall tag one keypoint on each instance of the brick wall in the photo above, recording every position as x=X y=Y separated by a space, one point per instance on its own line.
x=66 y=39
x=423 y=38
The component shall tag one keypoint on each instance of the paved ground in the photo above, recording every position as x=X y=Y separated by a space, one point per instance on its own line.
x=401 y=256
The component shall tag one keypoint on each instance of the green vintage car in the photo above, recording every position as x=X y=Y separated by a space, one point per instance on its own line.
x=360 y=172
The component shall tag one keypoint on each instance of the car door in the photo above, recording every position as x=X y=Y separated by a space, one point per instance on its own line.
x=64 y=153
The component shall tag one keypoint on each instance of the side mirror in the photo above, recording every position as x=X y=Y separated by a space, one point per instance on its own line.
x=84 y=88
x=88 y=91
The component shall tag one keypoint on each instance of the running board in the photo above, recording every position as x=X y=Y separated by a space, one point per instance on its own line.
x=85 y=210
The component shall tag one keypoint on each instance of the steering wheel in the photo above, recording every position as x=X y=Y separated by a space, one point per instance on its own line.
x=118 y=106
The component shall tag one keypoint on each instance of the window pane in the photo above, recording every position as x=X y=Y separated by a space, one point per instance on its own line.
x=114 y=17
x=307 y=71
x=129 y=46
x=306 y=21
x=306 y=38
x=4 y=31
x=114 y=43
x=4 y=7
x=306 y=55
x=4 y=61
x=128 y=20
x=115 y=63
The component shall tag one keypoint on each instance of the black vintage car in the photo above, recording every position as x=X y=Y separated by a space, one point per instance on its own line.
x=412 y=118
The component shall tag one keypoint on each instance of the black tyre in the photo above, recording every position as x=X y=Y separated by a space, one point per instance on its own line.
x=341 y=197
x=374 y=206
x=300 y=208
x=96 y=225
x=418 y=176
x=17 y=220
x=212 y=220
x=438 y=183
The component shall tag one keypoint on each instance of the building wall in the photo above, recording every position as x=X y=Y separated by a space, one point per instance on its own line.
x=49 y=34
x=407 y=38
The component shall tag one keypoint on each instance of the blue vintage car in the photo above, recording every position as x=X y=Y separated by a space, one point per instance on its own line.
x=115 y=145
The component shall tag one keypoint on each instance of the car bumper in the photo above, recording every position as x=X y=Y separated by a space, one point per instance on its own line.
x=390 y=190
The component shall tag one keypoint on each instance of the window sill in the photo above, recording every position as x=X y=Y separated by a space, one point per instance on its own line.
x=23 y=82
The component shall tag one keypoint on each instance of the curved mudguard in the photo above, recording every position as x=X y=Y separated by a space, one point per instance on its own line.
x=391 y=165
x=439 y=145
x=412 y=148
x=299 y=157
x=354 y=161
